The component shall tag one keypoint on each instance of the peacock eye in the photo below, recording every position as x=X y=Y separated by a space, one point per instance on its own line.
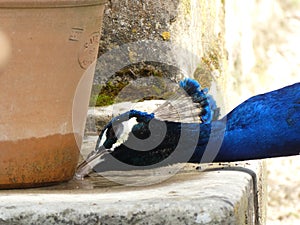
x=110 y=133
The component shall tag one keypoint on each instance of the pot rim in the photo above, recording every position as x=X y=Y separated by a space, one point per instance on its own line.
x=49 y=3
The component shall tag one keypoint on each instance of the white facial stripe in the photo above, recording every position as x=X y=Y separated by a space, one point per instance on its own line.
x=103 y=138
x=127 y=127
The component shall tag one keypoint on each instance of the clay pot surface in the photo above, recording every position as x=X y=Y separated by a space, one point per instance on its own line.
x=53 y=45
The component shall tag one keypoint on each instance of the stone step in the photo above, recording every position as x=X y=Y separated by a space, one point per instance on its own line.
x=193 y=194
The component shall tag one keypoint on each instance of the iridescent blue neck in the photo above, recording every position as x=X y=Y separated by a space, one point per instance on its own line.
x=264 y=126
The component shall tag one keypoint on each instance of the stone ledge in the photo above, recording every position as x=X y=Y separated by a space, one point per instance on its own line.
x=215 y=194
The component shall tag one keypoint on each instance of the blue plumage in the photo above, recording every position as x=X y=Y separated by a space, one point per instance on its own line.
x=200 y=96
x=266 y=125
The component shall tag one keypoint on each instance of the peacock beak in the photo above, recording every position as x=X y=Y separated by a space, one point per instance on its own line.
x=94 y=158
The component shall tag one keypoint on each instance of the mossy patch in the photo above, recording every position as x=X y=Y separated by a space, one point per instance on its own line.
x=122 y=86
x=106 y=93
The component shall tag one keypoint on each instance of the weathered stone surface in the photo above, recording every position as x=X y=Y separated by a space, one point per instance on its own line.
x=178 y=194
x=207 y=194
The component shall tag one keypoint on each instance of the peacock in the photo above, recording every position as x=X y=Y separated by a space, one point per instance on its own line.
x=264 y=126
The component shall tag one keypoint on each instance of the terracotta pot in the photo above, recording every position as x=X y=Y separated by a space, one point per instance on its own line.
x=53 y=46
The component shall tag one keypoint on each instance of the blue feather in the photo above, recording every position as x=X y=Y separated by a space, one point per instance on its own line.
x=200 y=96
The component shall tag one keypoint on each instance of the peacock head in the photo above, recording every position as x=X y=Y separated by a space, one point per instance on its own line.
x=129 y=125
x=117 y=131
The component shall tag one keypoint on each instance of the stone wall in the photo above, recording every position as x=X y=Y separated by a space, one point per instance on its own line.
x=187 y=34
